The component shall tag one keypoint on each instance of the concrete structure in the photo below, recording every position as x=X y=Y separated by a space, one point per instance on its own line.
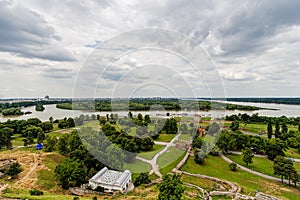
x=111 y=180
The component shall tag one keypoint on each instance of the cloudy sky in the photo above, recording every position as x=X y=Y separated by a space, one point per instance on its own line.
x=193 y=48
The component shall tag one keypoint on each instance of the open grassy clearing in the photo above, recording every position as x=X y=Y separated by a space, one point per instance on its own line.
x=217 y=167
x=163 y=137
x=185 y=137
x=137 y=166
x=24 y=194
x=17 y=140
x=260 y=127
x=292 y=153
x=171 y=155
x=172 y=165
x=150 y=154
x=46 y=176
x=262 y=165
x=206 y=184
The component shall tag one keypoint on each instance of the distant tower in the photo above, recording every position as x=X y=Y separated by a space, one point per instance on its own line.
x=47 y=97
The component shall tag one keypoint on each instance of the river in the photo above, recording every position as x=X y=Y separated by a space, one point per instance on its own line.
x=52 y=111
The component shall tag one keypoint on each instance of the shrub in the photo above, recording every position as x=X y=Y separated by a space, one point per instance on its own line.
x=94 y=198
x=76 y=198
x=36 y=192
x=233 y=166
x=99 y=189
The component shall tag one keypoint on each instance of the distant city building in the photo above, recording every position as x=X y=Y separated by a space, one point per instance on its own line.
x=47 y=97
x=111 y=180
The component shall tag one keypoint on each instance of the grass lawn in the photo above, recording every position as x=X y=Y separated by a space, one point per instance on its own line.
x=17 y=140
x=163 y=137
x=206 y=184
x=169 y=157
x=46 y=177
x=254 y=127
x=93 y=124
x=217 y=167
x=137 y=166
x=150 y=154
x=262 y=165
x=185 y=137
x=169 y=167
x=292 y=153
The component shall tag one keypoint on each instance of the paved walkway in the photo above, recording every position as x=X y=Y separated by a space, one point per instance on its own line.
x=262 y=156
x=254 y=172
x=153 y=161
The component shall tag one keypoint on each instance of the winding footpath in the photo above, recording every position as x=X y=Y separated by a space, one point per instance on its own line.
x=153 y=162
x=252 y=171
x=263 y=156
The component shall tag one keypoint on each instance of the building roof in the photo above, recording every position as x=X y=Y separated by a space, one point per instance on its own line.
x=110 y=177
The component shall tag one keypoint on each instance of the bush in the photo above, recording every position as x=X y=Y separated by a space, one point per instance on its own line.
x=13 y=170
x=95 y=198
x=233 y=166
x=36 y=192
x=99 y=189
x=76 y=198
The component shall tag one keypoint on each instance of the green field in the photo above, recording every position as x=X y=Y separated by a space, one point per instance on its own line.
x=24 y=194
x=185 y=137
x=169 y=157
x=163 y=137
x=137 y=166
x=217 y=167
x=262 y=165
x=17 y=140
x=46 y=177
x=169 y=167
x=292 y=153
x=150 y=154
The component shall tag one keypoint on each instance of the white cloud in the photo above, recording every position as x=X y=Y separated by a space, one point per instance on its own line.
x=252 y=43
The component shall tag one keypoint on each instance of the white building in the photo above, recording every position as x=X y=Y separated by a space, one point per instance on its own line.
x=111 y=180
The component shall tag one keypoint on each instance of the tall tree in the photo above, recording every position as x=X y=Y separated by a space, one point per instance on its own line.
x=248 y=156
x=277 y=130
x=234 y=125
x=284 y=129
x=171 y=188
x=270 y=129
x=70 y=173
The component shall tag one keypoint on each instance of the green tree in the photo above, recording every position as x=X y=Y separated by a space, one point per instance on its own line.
x=147 y=119
x=51 y=119
x=14 y=169
x=233 y=166
x=171 y=188
x=130 y=115
x=213 y=128
x=62 y=144
x=197 y=142
x=41 y=137
x=6 y=137
x=247 y=156
x=199 y=157
x=284 y=129
x=275 y=147
x=270 y=129
x=70 y=173
x=234 y=125
x=277 y=130
x=143 y=178
x=284 y=168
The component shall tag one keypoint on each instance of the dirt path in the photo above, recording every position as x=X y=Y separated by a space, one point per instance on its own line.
x=32 y=169
x=3 y=187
